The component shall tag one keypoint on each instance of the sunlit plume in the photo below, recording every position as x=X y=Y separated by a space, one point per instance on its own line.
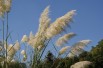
x=64 y=49
x=40 y=47
x=13 y=61
x=10 y=50
x=24 y=38
x=59 y=25
x=77 y=48
x=44 y=21
x=85 y=41
x=7 y=4
x=2 y=10
x=23 y=52
x=31 y=36
x=81 y=64
x=38 y=40
x=70 y=55
x=17 y=46
x=64 y=39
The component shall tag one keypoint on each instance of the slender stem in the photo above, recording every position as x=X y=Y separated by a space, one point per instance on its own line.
x=54 y=46
x=3 y=25
x=3 y=33
x=7 y=26
x=6 y=38
x=44 y=48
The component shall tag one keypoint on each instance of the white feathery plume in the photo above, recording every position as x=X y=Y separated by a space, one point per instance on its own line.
x=24 y=38
x=81 y=64
x=44 y=20
x=70 y=55
x=85 y=41
x=81 y=44
x=10 y=50
x=31 y=36
x=40 y=38
x=30 y=42
x=58 y=26
x=40 y=47
x=23 y=52
x=7 y=4
x=17 y=46
x=64 y=49
x=13 y=61
x=64 y=39
x=1 y=8
x=77 y=48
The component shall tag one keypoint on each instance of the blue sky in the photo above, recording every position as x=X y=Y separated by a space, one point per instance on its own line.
x=88 y=21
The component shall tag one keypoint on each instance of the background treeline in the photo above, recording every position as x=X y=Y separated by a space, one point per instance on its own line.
x=95 y=55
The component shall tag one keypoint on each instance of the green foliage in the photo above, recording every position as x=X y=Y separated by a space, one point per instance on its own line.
x=95 y=55
x=15 y=65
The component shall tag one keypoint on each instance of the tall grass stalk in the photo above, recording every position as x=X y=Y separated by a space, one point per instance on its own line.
x=3 y=34
x=6 y=37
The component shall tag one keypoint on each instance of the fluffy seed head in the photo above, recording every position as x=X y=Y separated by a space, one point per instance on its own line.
x=70 y=55
x=40 y=47
x=85 y=41
x=10 y=50
x=7 y=4
x=63 y=50
x=44 y=20
x=31 y=36
x=64 y=39
x=17 y=46
x=77 y=48
x=23 y=52
x=2 y=10
x=13 y=61
x=38 y=40
x=58 y=26
x=82 y=64
x=24 y=39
